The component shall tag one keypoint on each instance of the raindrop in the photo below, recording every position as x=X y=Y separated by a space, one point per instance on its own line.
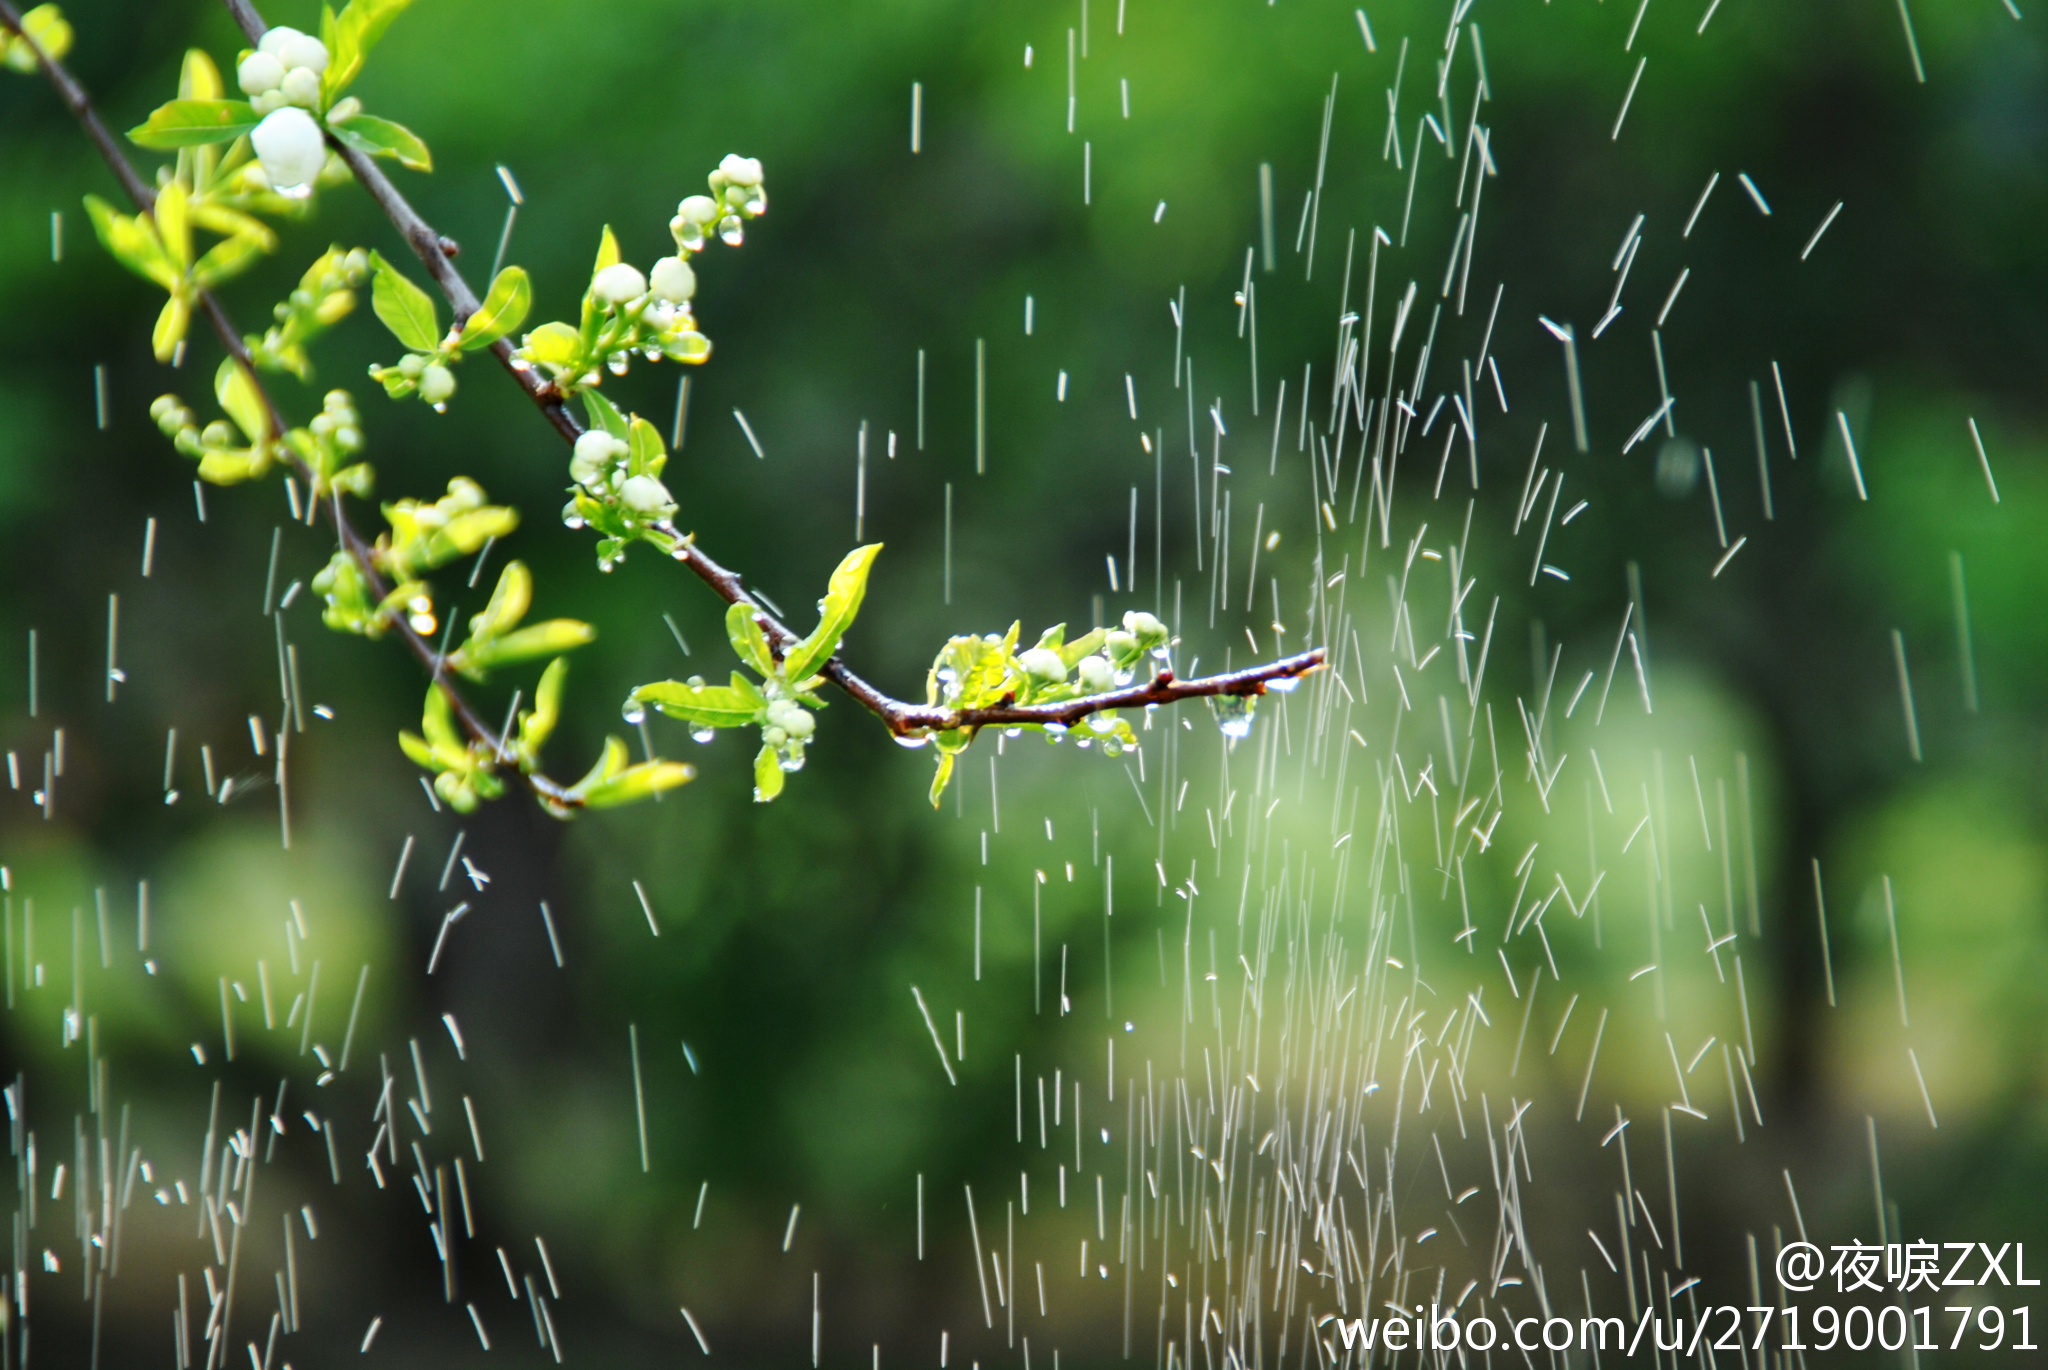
x=1233 y=714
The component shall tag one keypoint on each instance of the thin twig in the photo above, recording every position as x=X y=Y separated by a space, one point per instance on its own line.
x=358 y=548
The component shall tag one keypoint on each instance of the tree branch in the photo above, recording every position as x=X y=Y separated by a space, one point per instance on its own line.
x=358 y=548
x=901 y=718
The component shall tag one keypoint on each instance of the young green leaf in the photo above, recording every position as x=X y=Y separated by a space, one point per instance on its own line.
x=537 y=726
x=710 y=706
x=437 y=722
x=174 y=223
x=604 y=414
x=405 y=309
x=226 y=259
x=836 y=612
x=551 y=638
x=374 y=137
x=607 y=250
x=945 y=773
x=350 y=38
x=194 y=123
x=636 y=783
x=171 y=323
x=509 y=602
x=768 y=776
x=748 y=639
x=645 y=453
x=132 y=241
x=503 y=310
x=240 y=400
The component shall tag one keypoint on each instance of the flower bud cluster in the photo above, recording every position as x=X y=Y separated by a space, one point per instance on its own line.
x=282 y=80
x=224 y=457
x=736 y=196
x=51 y=31
x=285 y=69
x=324 y=297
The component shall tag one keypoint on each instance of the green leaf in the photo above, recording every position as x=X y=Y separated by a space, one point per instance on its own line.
x=509 y=602
x=554 y=344
x=768 y=776
x=836 y=612
x=1086 y=645
x=198 y=77
x=225 y=260
x=945 y=773
x=354 y=33
x=406 y=309
x=645 y=454
x=748 y=639
x=132 y=241
x=170 y=327
x=194 y=123
x=536 y=727
x=374 y=137
x=174 y=223
x=503 y=310
x=636 y=783
x=551 y=638
x=607 y=250
x=712 y=706
x=603 y=413
x=416 y=747
x=241 y=401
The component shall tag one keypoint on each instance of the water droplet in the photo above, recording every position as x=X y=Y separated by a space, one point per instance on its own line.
x=1013 y=732
x=791 y=762
x=701 y=735
x=731 y=231
x=521 y=364
x=1101 y=724
x=1233 y=714
x=1112 y=746
x=913 y=740
x=1285 y=684
x=634 y=712
x=1122 y=678
x=1084 y=743
x=441 y=407
x=618 y=363
x=573 y=521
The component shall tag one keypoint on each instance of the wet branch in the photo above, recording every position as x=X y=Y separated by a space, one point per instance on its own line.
x=358 y=548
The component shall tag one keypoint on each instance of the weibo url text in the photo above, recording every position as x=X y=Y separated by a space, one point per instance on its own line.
x=1725 y=1327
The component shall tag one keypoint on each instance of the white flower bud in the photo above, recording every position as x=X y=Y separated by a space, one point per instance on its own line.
x=618 y=284
x=411 y=364
x=673 y=280
x=595 y=451
x=437 y=383
x=294 y=48
x=269 y=100
x=301 y=87
x=697 y=209
x=774 y=737
x=800 y=725
x=740 y=171
x=1119 y=644
x=289 y=147
x=1096 y=674
x=645 y=495
x=1149 y=631
x=348 y=107
x=782 y=711
x=1043 y=664
x=259 y=73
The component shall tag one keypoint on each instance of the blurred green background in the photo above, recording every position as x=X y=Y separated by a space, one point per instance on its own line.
x=789 y=933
